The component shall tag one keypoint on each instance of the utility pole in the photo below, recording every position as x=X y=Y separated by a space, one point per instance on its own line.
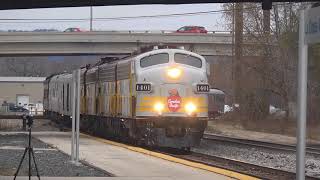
x=75 y=116
x=238 y=51
x=266 y=22
x=90 y=18
x=232 y=56
x=266 y=57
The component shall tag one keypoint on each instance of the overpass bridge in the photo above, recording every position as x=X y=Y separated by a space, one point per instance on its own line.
x=80 y=43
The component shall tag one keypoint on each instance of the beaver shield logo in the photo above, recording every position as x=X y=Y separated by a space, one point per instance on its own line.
x=174 y=100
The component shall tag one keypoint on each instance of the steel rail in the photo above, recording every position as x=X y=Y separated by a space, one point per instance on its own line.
x=262 y=144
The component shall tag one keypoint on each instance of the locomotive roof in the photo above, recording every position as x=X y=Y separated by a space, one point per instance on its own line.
x=170 y=50
x=112 y=60
x=60 y=76
x=216 y=91
x=116 y=60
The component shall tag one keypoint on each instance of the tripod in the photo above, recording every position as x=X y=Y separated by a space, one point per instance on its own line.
x=28 y=149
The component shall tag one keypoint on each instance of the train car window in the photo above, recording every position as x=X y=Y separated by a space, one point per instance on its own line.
x=155 y=59
x=188 y=60
x=219 y=98
x=68 y=89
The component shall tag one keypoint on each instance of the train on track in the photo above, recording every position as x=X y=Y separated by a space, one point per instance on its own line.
x=154 y=98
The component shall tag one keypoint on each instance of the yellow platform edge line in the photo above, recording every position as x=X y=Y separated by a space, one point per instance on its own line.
x=217 y=170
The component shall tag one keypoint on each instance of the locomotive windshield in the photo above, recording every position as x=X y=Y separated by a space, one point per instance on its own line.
x=188 y=60
x=155 y=59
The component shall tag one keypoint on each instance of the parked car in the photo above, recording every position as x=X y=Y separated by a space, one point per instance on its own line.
x=18 y=109
x=74 y=30
x=192 y=29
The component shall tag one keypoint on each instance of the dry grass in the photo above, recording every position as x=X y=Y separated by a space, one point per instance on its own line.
x=269 y=125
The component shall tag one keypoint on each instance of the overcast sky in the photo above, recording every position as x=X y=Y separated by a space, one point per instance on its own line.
x=212 y=21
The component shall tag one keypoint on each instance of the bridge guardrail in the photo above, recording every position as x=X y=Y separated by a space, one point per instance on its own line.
x=122 y=31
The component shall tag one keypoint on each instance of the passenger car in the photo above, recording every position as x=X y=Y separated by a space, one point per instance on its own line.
x=192 y=29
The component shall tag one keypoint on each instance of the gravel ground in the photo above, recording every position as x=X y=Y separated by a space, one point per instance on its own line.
x=38 y=125
x=20 y=140
x=50 y=161
x=259 y=156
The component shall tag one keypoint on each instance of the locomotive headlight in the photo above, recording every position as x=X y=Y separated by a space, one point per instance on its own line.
x=174 y=73
x=190 y=108
x=158 y=107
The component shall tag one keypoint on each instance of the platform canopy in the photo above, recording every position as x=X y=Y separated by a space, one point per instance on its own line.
x=29 y=4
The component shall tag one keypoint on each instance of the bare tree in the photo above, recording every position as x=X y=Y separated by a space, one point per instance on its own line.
x=24 y=67
x=42 y=65
x=273 y=72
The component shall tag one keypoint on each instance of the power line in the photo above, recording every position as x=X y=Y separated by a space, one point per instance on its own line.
x=164 y=15
x=43 y=19
x=60 y=21
x=115 y=18
x=56 y=20
x=124 y=17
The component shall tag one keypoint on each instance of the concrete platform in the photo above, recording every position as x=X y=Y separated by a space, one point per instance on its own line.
x=82 y=178
x=124 y=163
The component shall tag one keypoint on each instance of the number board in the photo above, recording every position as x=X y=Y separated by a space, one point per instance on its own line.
x=143 y=87
x=203 y=88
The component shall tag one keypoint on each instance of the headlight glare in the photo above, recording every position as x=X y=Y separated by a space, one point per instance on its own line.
x=174 y=73
x=158 y=107
x=190 y=108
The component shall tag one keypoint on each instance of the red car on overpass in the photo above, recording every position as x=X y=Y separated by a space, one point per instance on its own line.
x=192 y=29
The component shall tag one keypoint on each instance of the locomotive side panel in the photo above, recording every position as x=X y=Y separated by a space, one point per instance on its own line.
x=91 y=88
x=83 y=99
x=124 y=90
x=59 y=96
x=108 y=89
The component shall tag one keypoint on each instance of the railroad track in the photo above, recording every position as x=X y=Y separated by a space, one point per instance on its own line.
x=257 y=171
x=260 y=172
x=313 y=149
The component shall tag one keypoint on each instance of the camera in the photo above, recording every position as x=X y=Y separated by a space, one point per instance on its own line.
x=28 y=119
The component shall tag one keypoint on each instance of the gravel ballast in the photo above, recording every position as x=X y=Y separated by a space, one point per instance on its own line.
x=50 y=161
x=263 y=157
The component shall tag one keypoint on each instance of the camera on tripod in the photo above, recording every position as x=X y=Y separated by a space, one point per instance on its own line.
x=28 y=120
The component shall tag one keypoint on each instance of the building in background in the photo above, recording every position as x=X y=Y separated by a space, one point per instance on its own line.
x=26 y=92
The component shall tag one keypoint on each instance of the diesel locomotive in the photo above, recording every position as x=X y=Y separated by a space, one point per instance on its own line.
x=155 y=98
